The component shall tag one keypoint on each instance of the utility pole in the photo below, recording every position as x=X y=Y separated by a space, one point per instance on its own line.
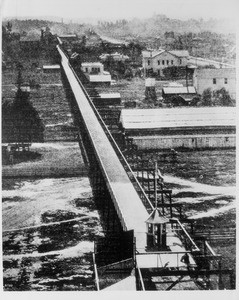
x=155 y=184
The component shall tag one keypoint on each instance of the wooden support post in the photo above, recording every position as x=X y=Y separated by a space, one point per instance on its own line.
x=192 y=228
x=148 y=180
x=220 y=282
x=204 y=247
x=232 y=282
x=171 y=208
x=108 y=214
x=113 y=221
x=162 y=198
x=142 y=166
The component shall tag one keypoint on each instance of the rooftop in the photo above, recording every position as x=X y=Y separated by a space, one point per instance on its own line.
x=133 y=119
x=30 y=38
x=67 y=36
x=51 y=67
x=179 y=90
x=178 y=53
x=92 y=64
x=222 y=72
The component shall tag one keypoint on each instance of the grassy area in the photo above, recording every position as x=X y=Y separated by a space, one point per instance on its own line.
x=49 y=100
x=134 y=90
x=54 y=160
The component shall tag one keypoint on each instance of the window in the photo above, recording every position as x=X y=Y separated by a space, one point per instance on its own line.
x=167 y=62
x=163 y=62
x=180 y=61
x=148 y=62
x=86 y=69
x=158 y=62
x=171 y=62
x=214 y=81
x=225 y=81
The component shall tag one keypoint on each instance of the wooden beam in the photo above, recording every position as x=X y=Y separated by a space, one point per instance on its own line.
x=168 y=272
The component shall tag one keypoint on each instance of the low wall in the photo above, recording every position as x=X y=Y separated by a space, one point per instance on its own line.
x=185 y=141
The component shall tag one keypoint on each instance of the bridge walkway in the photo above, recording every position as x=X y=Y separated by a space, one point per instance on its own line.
x=127 y=202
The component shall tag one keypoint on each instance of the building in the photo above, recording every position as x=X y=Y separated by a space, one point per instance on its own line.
x=195 y=62
x=30 y=42
x=95 y=73
x=215 y=79
x=161 y=59
x=69 y=40
x=115 y=56
x=105 y=99
x=193 y=128
x=51 y=68
x=179 y=95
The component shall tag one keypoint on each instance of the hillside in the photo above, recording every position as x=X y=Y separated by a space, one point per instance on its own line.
x=159 y=24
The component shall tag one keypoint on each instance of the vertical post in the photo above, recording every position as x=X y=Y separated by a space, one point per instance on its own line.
x=148 y=180
x=113 y=221
x=220 y=282
x=192 y=228
x=171 y=208
x=180 y=212
x=108 y=213
x=162 y=197
x=142 y=166
x=232 y=282
x=155 y=184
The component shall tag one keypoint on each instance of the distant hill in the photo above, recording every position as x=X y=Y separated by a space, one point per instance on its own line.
x=159 y=24
x=35 y=25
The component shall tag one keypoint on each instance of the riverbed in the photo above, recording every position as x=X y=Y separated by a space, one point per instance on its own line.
x=49 y=224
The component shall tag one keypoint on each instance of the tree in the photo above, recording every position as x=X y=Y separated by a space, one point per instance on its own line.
x=206 y=97
x=222 y=98
x=20 y=120
x=219 y=97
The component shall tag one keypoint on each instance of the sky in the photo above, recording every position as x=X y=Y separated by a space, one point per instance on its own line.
x=118 y=9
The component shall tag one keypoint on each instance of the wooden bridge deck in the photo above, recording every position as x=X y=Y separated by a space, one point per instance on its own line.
x=127 y=202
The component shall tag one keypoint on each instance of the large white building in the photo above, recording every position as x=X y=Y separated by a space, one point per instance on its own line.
x=194 y=127
x=215 y=79
x=95 y=73
x=161 y=59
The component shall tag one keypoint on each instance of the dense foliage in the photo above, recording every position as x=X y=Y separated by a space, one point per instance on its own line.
x=20 y=120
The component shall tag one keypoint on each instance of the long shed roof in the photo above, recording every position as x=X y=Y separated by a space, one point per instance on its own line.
x=179 y=90
x=133 y=119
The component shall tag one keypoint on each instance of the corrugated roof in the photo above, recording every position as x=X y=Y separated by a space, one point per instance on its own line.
x=92 y=64
x=51 y=67
x=109 y=95
x=177 y=117
x=179 y=90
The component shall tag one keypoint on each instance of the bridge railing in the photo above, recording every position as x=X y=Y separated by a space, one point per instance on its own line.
x=139 y=280
x=147 y=203
x=188 y=242
x=167 y=259
x=96 y=274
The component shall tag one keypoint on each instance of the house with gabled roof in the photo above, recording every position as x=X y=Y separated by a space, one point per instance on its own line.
x=161 y=59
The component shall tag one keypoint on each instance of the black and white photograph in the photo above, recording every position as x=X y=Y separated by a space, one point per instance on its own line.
x=118 y=130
